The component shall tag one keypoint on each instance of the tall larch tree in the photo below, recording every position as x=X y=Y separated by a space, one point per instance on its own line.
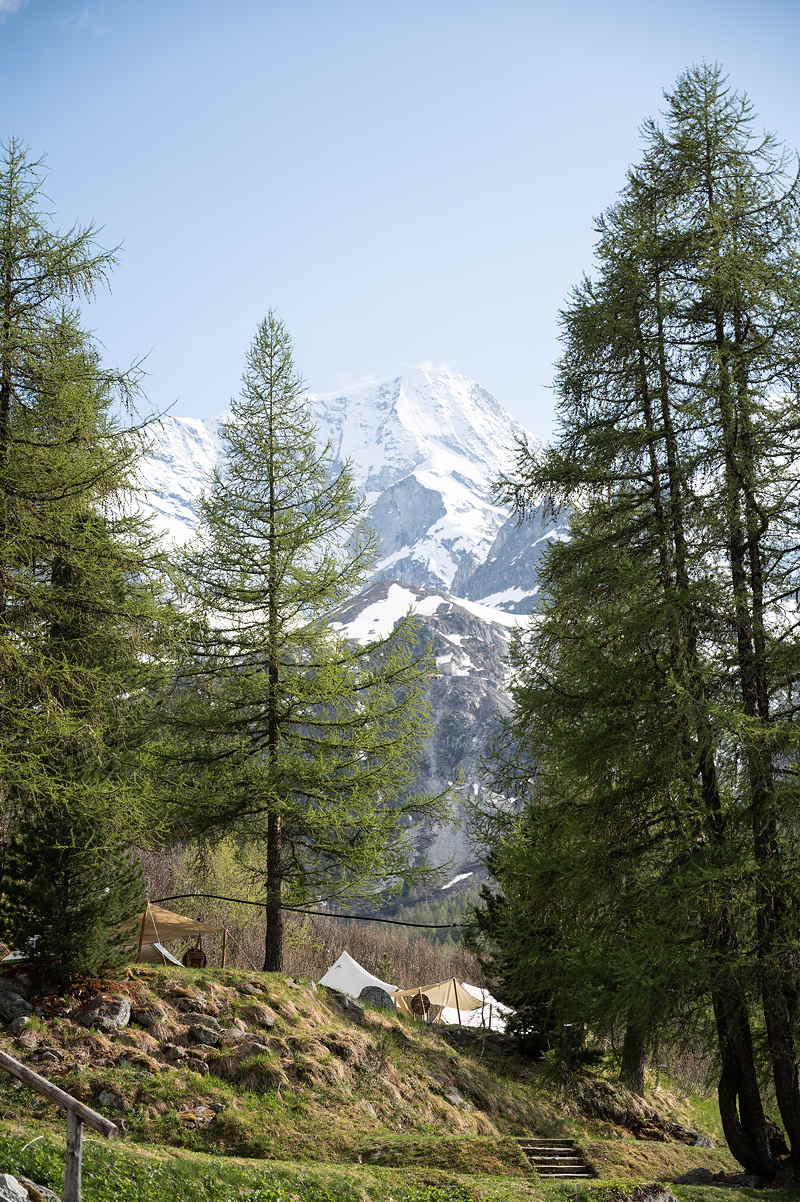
x=299 y=746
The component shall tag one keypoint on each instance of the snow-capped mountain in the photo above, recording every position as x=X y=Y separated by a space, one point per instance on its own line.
x=425 y=449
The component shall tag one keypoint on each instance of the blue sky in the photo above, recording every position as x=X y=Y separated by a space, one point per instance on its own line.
x=402 y=182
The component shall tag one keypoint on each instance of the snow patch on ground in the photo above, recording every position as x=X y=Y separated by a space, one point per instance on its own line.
x=462 y=876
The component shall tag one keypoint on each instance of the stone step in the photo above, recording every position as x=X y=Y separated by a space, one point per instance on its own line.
x=554 y=1157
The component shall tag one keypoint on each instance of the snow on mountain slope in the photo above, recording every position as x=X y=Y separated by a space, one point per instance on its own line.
x=425 y=448
x=377 y=619
x=179 y=466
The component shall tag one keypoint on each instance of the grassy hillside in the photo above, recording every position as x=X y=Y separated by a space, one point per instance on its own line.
x=218 y=1069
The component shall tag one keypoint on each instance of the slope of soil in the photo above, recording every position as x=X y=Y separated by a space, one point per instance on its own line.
x=237 y=1064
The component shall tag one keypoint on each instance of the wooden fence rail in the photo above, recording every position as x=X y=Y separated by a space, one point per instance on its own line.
x=77 y=1115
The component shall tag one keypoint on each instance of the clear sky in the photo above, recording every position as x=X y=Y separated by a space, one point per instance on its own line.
x=403 y=182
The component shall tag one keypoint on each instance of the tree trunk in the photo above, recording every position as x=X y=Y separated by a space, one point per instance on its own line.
x=273 y=940
x=631 y=1072
x=741 y=1110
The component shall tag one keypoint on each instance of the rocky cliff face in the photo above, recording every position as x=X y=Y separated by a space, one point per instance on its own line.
x=468 y=695
x=425 y=449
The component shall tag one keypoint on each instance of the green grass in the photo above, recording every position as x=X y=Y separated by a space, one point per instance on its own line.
x=332 y=1111
x=119 y=1172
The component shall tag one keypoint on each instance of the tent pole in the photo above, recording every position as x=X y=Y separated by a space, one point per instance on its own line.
x=141 y=931
x=458 y=1008
x=224 y=945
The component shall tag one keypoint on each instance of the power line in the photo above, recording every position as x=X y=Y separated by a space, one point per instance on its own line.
x=243 y=901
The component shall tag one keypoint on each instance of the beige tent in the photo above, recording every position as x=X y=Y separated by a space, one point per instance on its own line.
x=157 y=926
x=428 y=1001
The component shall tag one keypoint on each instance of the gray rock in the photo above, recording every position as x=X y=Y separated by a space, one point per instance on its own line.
x=18 y=1025
x=196 y=1065
x=203 y=1033
x=248 y=988
x=703 y=1141
x=173 y=1051
x=375 y=996
x=11 y=1190
x=351 y=1008
x=108 y=1099
x=251 y=1047
x=106 y=1014
x=210 y=1021
x=13 y=1005
x=455 y=1098
x=232 y=1036
x=192 y=1005
x=146 y=1016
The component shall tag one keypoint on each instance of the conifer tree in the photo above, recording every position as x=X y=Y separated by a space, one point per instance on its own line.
x=299 y=745
x=82 y=620
x=678 y=389
x=71 y=892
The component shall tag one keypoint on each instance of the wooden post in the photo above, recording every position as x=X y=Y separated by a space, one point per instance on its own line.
x=77 y=1115
x=73 y=1161
x=458 y=1008
x=224 y=945
x=141 y=931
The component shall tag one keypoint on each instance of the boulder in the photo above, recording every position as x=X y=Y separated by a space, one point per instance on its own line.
x=232 y=1036
x=196 y=1065
x=146 y=1016
x=203 y=1033
x=197 y=1004
x=249 y=989
x=13 y=1005
x=455 y=1098
x=375 y=996
x=209 y=1020
x=18 y=1025
x=350 y=1008
x=251 y=1047
x=109 y=1099
x=28 y=1039
x=261 y=1015
x=105 y=1013
x=11 y=1190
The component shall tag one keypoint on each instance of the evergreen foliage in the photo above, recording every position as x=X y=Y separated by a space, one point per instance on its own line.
x=71 y=894
x=300 y=746
x=82 y=621
x=656 y=692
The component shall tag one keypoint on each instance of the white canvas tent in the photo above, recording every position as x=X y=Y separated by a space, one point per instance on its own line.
x=492 y=1015
x=346 y=975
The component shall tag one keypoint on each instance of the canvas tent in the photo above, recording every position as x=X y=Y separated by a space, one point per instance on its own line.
x=346 y=975
x=429 y=1002
x=157 y=926
x=492 y=1015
